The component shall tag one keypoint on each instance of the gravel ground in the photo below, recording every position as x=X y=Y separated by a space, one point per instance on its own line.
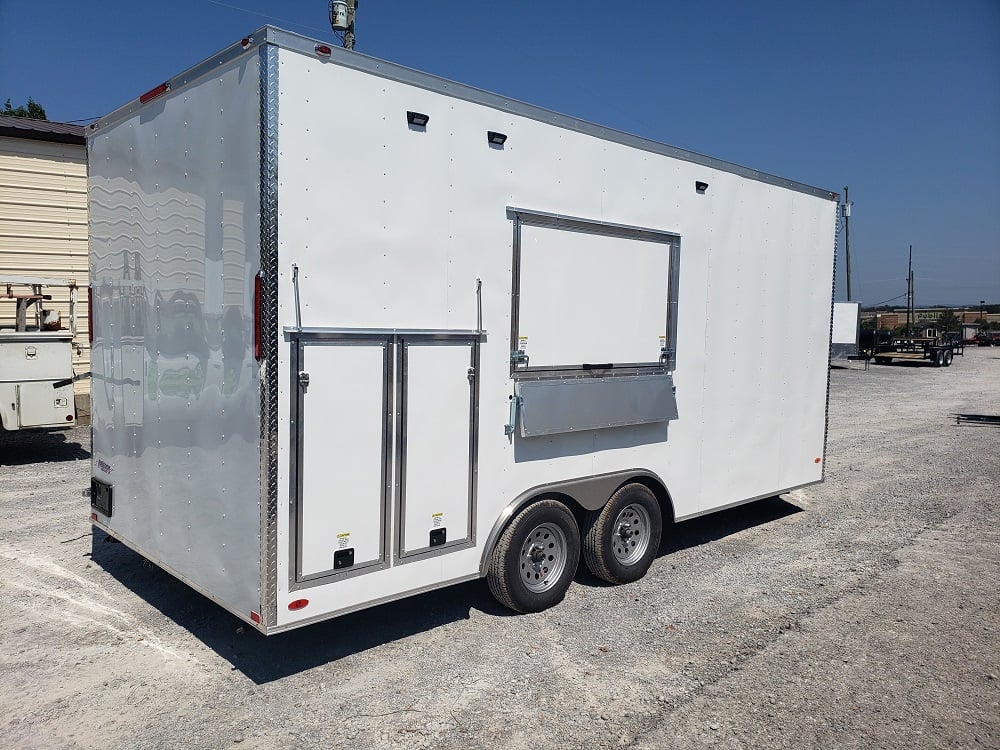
x=859 y=613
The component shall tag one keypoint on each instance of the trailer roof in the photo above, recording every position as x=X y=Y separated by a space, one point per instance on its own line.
x=402 y=74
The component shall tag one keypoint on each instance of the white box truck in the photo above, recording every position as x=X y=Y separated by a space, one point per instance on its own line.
x=361 y=332
x=36 y=355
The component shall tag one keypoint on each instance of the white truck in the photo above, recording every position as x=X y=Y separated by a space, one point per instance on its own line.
x=36 y=355
x=398 y=333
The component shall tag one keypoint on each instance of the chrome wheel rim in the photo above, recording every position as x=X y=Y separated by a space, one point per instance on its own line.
x=631 y=534
x=543 y=557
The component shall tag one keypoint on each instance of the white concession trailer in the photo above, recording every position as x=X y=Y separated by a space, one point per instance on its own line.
x=361 y=332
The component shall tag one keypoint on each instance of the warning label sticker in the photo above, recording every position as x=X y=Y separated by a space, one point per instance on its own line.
x=344 y=540
x=522 y=344
x=437 y=520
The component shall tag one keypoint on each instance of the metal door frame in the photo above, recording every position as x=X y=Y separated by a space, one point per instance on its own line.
x=394 y=342
x=300 y=340
x=442 y=338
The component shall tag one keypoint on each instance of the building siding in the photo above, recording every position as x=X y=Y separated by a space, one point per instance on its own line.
x=43 y=227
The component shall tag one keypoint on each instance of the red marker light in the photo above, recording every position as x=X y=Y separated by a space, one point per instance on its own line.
x=298 y=604
x=93 y=516
x=69 y=417
x=322 y=49
x=153 y=93
x=255 y=617
x=246 y=41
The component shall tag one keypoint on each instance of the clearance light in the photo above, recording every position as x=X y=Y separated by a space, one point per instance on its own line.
x=246 y=41
x=298 y=604
x=417 y=118
x=257 y=348
x=816 y=461
x=495 y=139
x=153 y=93
x=255 y=617
x=322 y=49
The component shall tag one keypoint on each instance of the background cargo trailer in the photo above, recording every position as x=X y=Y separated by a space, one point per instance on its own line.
x=392 y=332
x=846 y=330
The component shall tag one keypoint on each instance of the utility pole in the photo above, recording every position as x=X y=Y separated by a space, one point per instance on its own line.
x=342 y=14
x=352 y=7
x=909 y=295
x=847 y=240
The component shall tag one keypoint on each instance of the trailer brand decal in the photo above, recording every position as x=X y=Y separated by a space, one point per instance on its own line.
x=104 y=466
x=343 y=540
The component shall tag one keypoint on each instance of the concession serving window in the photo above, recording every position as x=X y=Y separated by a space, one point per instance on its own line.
x=593 y=323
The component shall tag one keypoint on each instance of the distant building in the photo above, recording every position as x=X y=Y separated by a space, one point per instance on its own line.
x=43 y=216
x=897 y=317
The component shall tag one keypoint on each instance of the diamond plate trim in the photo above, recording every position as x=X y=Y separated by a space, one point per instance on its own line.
x=829 y=354
x=269 y=332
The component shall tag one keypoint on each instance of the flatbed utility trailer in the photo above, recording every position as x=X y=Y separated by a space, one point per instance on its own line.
x=935 y=350
x=361 y=332
x=36 y=356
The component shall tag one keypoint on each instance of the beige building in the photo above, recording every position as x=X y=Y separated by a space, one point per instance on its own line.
x=43 y=218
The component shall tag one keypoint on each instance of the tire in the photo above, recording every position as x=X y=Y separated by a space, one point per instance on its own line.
x=535 y=559
x=938 y=357
x=949 y=356
x=622 y=538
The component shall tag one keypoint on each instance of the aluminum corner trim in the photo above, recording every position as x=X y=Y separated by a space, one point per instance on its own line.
x=268 y=62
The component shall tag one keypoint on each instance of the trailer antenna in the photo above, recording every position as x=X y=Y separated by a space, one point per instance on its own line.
x=342 y=20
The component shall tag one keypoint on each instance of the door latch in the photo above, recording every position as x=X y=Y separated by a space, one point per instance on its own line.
x=303 y=379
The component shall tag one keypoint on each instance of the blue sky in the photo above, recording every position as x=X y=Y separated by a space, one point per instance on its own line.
x=900 y=101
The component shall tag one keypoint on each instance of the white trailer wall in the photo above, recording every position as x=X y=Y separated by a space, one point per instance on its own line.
x=392 y=229
x=174 y=199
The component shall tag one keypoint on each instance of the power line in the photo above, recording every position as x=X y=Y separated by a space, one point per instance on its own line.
x=265 y=15
x=878 y=304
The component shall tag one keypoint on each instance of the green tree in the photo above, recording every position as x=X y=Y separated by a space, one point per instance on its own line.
x=948 y=321
x=32 y=110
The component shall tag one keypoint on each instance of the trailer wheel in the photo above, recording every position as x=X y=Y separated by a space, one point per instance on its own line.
x=938 y=357
x=622 y=538
x=535 y=558
x=949 y=356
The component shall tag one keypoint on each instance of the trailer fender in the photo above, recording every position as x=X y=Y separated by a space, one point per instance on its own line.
x=579 y=495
